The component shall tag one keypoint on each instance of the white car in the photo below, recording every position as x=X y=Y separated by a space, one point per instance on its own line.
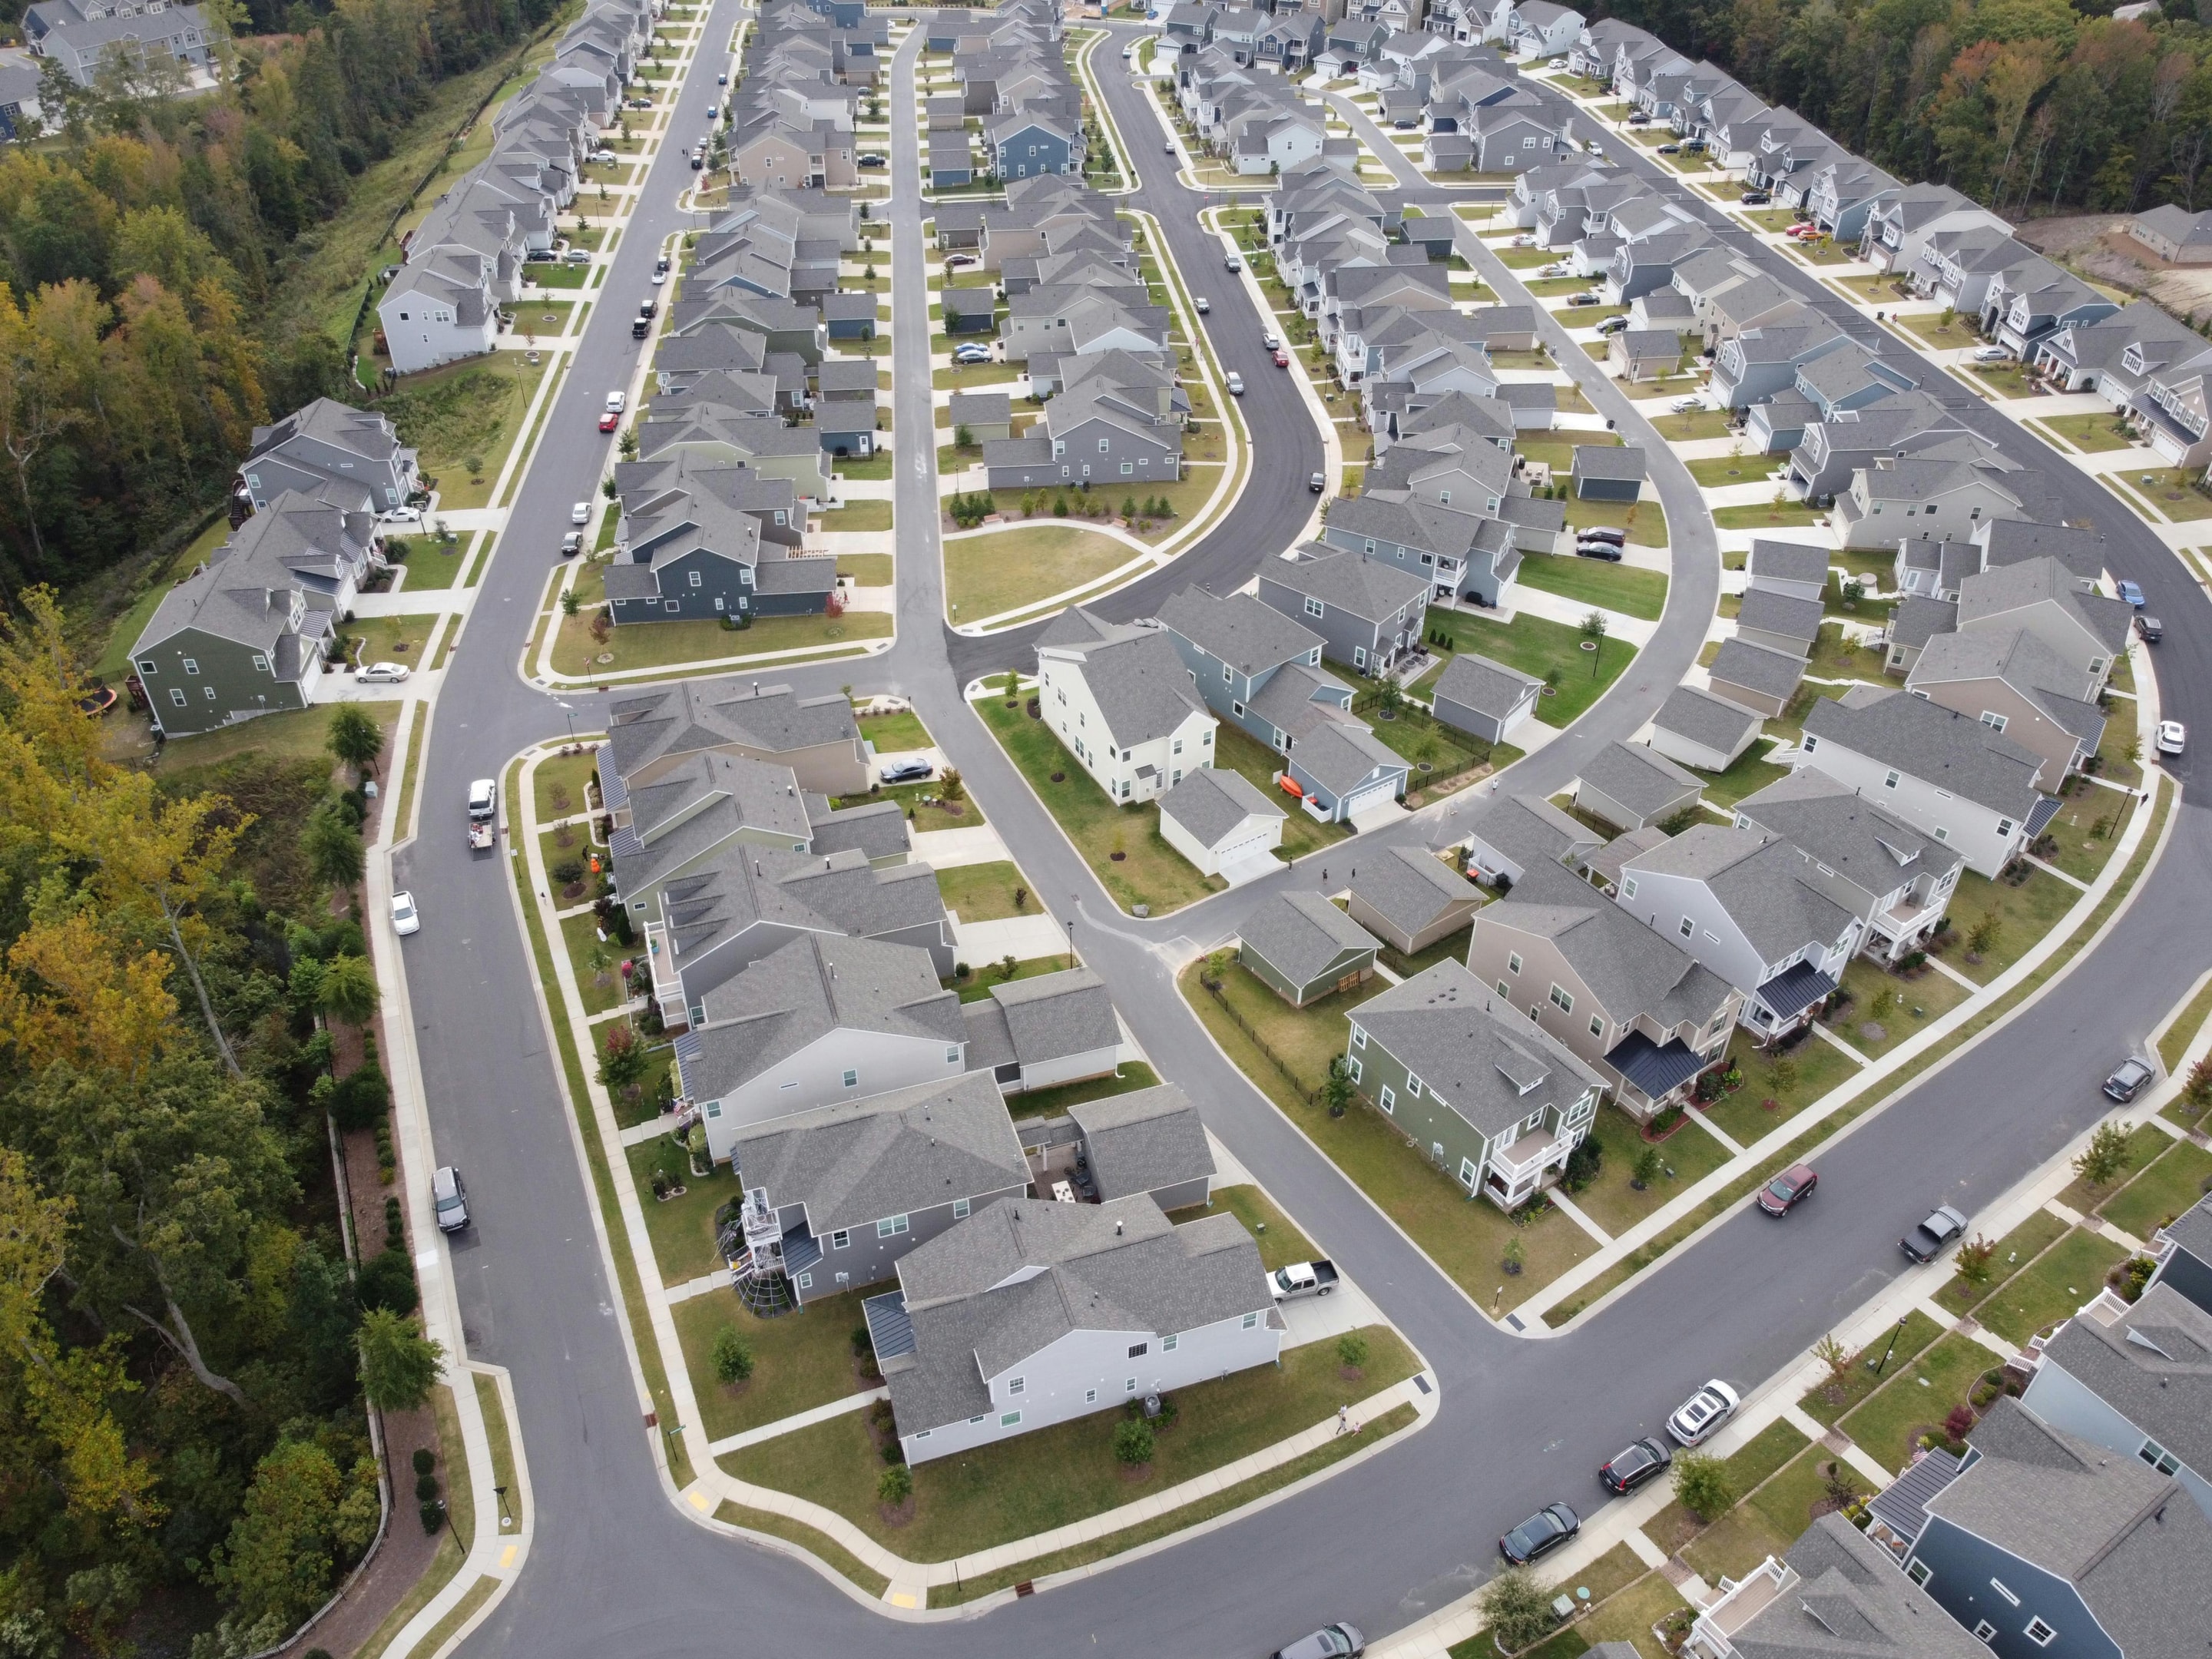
x=659 y=277
x=400 y=516
x=1686 y=405
x=2173 y=737
x=1236 y=384
x=1699 y=1418
x=1555 y=269
x=380 y=674
x=1990 y=354
x=1523 y=241
x=616 y=402
x=404 y=920
x=1269 y=338
x=1232 y=263
x=581 y=513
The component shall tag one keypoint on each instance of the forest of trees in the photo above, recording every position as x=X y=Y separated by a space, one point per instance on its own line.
x=2028 y=105
x=140 y=252
x=185 y=1464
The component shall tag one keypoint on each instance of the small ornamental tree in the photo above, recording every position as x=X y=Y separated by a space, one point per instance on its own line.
x=895 y=1485
x=1973 y=1260
x=731 y=1358
x=1336 y=1093
x=2106 y=1155
x=1133 y=1442
x=1702 y=1485
x=622 y=1064
x=1516 y=1609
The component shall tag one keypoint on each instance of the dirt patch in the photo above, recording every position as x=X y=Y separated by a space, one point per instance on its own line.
x=2098 y=246
x=897 y=1515
x=1134 y=1474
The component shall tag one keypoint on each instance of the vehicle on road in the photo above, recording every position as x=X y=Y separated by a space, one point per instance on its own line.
x=1202 y=305
x=1170 y=147
x=1756 y=197
x=1235 y=383
x=404 y=918
x=2125 y=1083
x=608 y=420
x=1540 y=1534
x=647 y=308
x=617 y=401
x=721 y=80
x=1318 y=483
x=1232 y=263
x=1605 y=550
x=1282 y=358
x=1329 y=1642
x=1303 y=1279
x=1699 y=1418
x=1597 y=150
x=971 y=354
x=1128 y=54
x=1603 y=532
x=661 y=275
x=2131 y=593
x=2151 y=628
x=1686 y=405
x=2173 y=737
x=1269 y=338
x=908 y=771
x=380 y=674
x=572 y=544
x=1625 y=1471
x=698 y=161
x=484 y=800
x=581 y=513
x=481 y=837
x=400 y=516
x=1990 y=354
x=1789 y=1189
x=1926 y=1242
x=450 y=1197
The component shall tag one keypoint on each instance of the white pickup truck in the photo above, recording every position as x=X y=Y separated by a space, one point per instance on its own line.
x=1303 y=1279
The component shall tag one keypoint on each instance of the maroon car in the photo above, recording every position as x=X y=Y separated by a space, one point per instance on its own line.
x=1789 y=1189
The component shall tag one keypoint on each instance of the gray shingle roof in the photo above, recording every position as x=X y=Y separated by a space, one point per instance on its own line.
x=1411 y=888
x=1757 y=668
x=1781 y=614
x=1949 y=751
x=2192 y=1229
x=1640 y=779
x=1055 y=1015
x=1631 y=969
x=1141 y=687
x=1704 y=719
x=1340 y=755
x=2006 y=587
x=1239 y=630
x=1529 y=830
x=1756 y=877
x=1115 y=1267
x=1608 y=461
x=1789 y=562
x=1144 y=1141
x=709 y=714
x=1845 y=831
x=1849 y=1603
x=1211 y=801
x=1493 y=1070
x=1488 y=688
x=878 y=830
x=859 y=1161
x=1301 y=934
x=1349 y=581
x=2023 y=662
x=1920 y=619
x=2152 y=1365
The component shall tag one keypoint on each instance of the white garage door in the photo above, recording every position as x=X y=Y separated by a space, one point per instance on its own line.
x=1245 y=848
x=1375 y=794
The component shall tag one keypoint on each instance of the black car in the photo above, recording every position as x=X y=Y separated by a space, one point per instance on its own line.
x=2125 y=1083
x=2150 y=628
x=1603 y=532
x=1605 y=550
x=911 y=771
x=1757 y=198
x=1540 y=1534
x=1647 y=1460
x=1926 y=1242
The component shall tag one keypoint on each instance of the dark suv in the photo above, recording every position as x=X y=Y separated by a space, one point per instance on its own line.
x=1647 y=1460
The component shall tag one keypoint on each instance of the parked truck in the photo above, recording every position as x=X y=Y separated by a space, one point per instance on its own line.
x=1303 y=1279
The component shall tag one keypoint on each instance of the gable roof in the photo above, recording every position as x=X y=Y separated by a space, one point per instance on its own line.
x=1639 y=778
x=1301 y=934
x=1211 y=801
x=1238 y=629
x=1830 y=822
x=1791 y=561
x=1757 y=668
x=1704 y=719
x=1631 y=969
x=1411 y=888
x=1141 y=687
x=2152 y=1364
x=1144 y=1141
x=1781 y=614
x=1849 y=1601
x=1757 y=880
x=1367 y=588
x=1950 y=750
x=708 y=713
x=1489 y=688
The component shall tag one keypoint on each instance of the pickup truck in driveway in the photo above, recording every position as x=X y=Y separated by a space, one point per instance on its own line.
x=1303 y=1279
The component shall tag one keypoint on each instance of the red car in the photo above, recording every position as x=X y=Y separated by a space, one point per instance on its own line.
x=1789 y=1189
x=1282 y=357
x=610 y=421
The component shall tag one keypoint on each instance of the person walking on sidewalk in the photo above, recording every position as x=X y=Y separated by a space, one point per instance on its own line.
x=1344 y=1419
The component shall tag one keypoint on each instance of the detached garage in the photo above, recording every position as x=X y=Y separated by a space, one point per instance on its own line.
x=1223 y=823
x=1701 y=730
x=1608 y=472
x=1304 y=948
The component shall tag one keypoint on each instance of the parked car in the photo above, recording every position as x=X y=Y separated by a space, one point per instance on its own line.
x=698 y=161
x=572 y=544
x=1232 y=263
x=1235 y=383
x=1557 y=268
x=871 y=160
x=609 y=421
x=450 y=1197
x=2151 y=628
x=1329 y=1642
x=1670 y=150
x=1693 y=147
x=1613 y=324
x=577 y=256
x=1789 y=1189
x=1605 y=550
x=1686 y=405
x=380 y=674
x=581 y=513
x=1585 y=299
x=617 y=401
x=1202 y=304
x=1756 y=197
x=1303 y=1279
x=1647 y=1460
x=604 y=156
x=1540 y=1534
x=1699 y=1418
x=481 y=837
x=1269 y=338
x=648 y=308
x=908 y=771
x=641 y=103
x=661 y=275
x=1282 y=358
x=483 y=799
x=1318 y=483
x=2173 y=737
x=1641 y=118
x=971 y=354
x=1990 y=354
x=1169 y=147
x=400 y=516
x=2129 y=592
x=958 y=261
x=1603 y=533
x=405 y=919
x=1926 y=1242
x=2125 y=1083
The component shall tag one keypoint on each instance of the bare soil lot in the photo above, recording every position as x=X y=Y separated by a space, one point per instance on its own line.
x=2098 y=246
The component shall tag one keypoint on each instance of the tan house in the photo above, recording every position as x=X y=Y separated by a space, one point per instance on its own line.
x=2084 y=630
x=1623 y=997
x=1410 y=898
x=2013 y=683
x=783 y=157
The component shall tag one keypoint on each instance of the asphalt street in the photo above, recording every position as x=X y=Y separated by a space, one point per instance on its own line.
x=615 y=1567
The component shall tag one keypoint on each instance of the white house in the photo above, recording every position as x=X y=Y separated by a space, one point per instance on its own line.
x=1221 y=822
x=437 y=310
x=1119 y=699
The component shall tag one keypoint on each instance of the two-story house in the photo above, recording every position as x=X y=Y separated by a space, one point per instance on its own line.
x=1745 y=903
x=835 y=1196
x=1466 y=546
x=1366 y=611
x=334 y=453
x=1120 y=700
x=1948 y=775
x=2044 y=595
x=2013 y=683
x=652 y=730
x=1029 y=1313
x=689 y=550
x=1833 y=1579
x=1636 y=1006
x=1493 y=1100
x=235 y=639
x=1044 y=1031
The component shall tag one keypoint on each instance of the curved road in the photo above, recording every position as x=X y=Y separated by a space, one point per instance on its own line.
x=614 y=1566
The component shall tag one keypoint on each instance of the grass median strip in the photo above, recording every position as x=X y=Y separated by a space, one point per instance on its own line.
x=828 y=1550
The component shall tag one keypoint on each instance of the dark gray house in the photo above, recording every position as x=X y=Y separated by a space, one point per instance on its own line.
x=1303 y=948
x=688 y=549
x=1608 y=472
x=1462 y=553
x=2188 y=1264
x=1485 y=699
x=835 y=1196
x=1365 y=610
x=970 y=310
x=1835 y=1592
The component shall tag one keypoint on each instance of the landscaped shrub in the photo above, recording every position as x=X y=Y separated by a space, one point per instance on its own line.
x=388 y=1281
x=731 y=1358
x=1133 y=1442
x=1702 y=1485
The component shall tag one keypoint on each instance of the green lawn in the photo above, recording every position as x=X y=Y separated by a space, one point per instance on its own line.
x=1149 y=871
x=1889 y=1423
x=114 y=661
x=1278 y=1236
x=2174 y=1180
x=1764 y=516
x=1032 y=1483
x=1051 y=1103
x=2093 y=433
x=1698 y=423
x=2023 y=915
x=800 y=1361
x=1825 y=1402
x=2181 y=1031
x=2014 y=1252
x=2071 y=1273
x=985 y=892
x=1644 y=522
x=600 y=988
x=660 y=644
x=978 y=986
x=895 y=733
x=1628 y=1616
x=1687 y=1157
x=558 y=788
x=1751 y=773
x=682 y=1228
x=926 y=807
x=1941 y=332
x=1437 y=751
x=1539 y=648
x=2089 y=827
x=464 y=412
x=867 y=569
x=1242 y=753
x=987 y=575
x=1465 y=1237
x=860 y=516
x=1755 y=1461
x=1899 y=1006
x=1624 y=587
x=1715 y=470
x=1813 y=1068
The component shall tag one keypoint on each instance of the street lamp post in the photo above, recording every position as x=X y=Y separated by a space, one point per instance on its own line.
x=570 y=712
x=1890 y=1349
x=505 y=1519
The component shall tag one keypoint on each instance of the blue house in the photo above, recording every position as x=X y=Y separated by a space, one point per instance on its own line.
x=2045 y=1543
x=1261 y=670
x=1473 y=555
x=691 y=551
x=841 y=14
x=950 y=160
x=1028 y=145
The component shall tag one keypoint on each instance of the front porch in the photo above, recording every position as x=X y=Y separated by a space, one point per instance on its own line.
x=1513 y=1175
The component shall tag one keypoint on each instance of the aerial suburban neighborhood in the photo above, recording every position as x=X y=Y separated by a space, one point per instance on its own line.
x=1352 y=827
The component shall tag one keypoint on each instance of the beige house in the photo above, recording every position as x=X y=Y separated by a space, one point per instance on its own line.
x=792 y=158
x=2013 y=683
x=1410 y=898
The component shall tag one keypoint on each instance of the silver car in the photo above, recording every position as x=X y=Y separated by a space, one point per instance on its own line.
x=1329 y=1642
x=451 y=1199
x=1699 y=1418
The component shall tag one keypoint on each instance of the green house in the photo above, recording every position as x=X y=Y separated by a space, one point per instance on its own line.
x=1304 y=947
x=1489 y=1097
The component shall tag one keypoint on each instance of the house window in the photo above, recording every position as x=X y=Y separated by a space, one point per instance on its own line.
x=1994 y=720
x=1919 y=1572
x=842 y=1239
x=1413 y=1086
x=177 y=695
x=1468 y=1174
x=806 y=1281
x=1015 y=1384
x=1985 y=1632
x=192 y=666
x=852 y=1078
x=1129 y=1385
x=1010 y=1419
x=2158 y=1457
x=2004 y=828
x=890 y=1226
x=1689 y=928
x=1504 y=990
x=1355 y=1071
x=1169 y=1343
x=1225 y=674
x=1388 y=1099
x=210 y=692
x=2041 y=1634
x=260 y=663
x=959 y=1209
x=1127 y=469
x=696 y=579
x=1628 y=887
x=1313 y=607
x=1251 y=1320
x=1235 y=707
x=1597 y=1025
x=675 y=604
x=1942 y=834
x=1889 y=782
x=1359 y=1037
x=1563 y=1000
x=1513 y=962
x=1090 y=1396
x=2001 y=1589
x=147 y=667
